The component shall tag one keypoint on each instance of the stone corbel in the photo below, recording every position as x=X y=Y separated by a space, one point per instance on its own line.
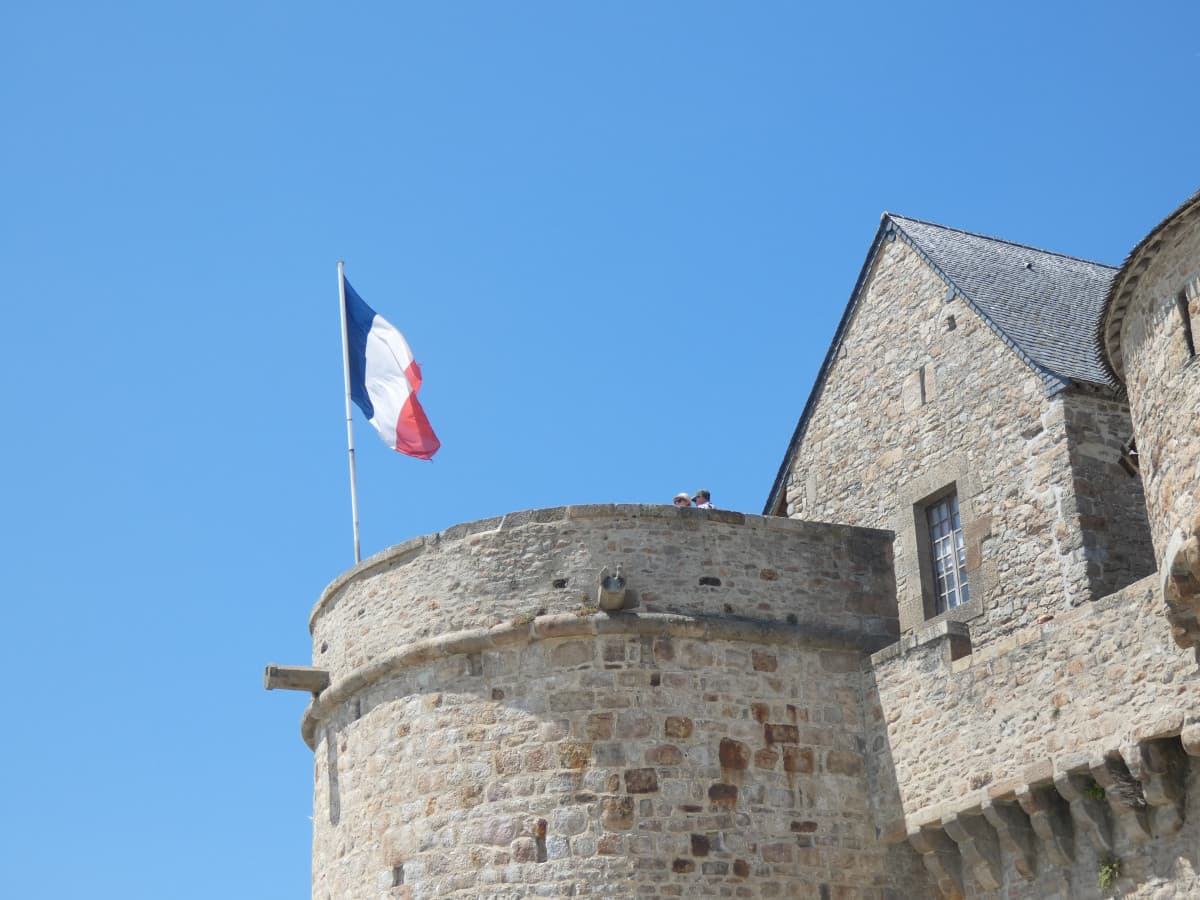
x=1189 y=737
x=979 y=848
x=1164 y=768
x=1014 y=832
x=1124 y=794
x=1089 y=812
x=940 y=855
x=1180 y=580
x=1050 y=818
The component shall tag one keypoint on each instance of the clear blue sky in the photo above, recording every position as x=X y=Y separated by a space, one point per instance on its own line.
x=618 y=237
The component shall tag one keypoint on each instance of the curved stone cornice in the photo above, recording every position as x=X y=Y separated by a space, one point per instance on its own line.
x=510 y=634
x=1125 y=284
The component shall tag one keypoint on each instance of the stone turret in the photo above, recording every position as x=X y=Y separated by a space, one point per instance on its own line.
x=488 y=731
x=1151 y=335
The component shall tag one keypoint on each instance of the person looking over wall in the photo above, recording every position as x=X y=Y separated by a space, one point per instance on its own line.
x=682 y=499
x=704 y=499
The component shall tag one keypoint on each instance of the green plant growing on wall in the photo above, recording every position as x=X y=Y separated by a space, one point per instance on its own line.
x=1094 y=790
x=528 y=616
x=1108 y=872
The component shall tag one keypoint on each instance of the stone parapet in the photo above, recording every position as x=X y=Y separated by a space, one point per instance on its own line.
x=1065 y=744
x=699 y=563
x=1095 y=678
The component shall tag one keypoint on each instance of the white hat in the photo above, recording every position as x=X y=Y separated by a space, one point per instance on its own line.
x=685 y=495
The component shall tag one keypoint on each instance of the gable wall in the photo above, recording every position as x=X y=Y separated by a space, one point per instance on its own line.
x=872 y=449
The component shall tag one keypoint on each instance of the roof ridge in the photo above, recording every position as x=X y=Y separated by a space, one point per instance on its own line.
x=988 y=237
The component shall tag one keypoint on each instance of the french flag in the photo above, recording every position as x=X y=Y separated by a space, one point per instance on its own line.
x=384 y=380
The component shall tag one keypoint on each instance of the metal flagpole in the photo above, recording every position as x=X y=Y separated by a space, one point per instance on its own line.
x=349 y=414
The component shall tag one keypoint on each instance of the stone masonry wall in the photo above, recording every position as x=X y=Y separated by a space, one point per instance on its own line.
x=488 y=733
x=1113 y=538
x=691 y=561
x=924 y=395
x=1164 y=383
x=614 y=764
x=1089 y=703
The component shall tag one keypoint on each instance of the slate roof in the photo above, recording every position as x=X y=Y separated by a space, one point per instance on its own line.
x=1049 y=306
x=1046 y=307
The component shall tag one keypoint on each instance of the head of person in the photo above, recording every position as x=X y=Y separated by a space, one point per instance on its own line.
x=702 y=496
x=682 y=499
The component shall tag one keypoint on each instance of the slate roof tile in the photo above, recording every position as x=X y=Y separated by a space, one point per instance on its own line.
x=1047 y=304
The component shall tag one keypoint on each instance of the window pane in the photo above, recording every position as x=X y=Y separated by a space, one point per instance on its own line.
x=948 y=553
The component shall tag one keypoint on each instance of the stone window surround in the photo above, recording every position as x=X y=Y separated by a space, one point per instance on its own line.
x=918 y=606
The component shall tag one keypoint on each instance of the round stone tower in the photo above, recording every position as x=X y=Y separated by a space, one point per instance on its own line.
x=1152 y=338
x=609 y=701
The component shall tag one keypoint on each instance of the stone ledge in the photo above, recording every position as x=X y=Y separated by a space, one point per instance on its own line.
x=565 y=625
x=933 y=635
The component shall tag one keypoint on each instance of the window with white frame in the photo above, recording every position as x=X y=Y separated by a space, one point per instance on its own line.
x=947 y=553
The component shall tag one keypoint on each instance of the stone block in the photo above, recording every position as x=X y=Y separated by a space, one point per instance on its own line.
x=617 y=813
x=641 y=781
x=678 y=727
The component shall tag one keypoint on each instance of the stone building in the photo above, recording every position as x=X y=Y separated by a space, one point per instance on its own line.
x=955 y=657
